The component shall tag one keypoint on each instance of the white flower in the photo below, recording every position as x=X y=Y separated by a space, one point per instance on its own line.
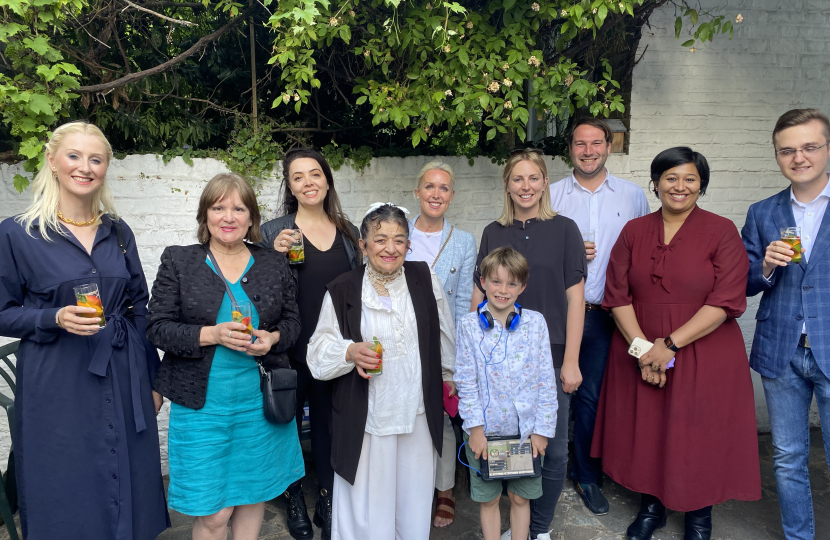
x=508 y=104
x=692 y=49
x=448 y=93
x=286 y=98
x=594 y=11
x=622 y=6
x=333 y=21
x=506 y=66
x=366 y=53
x=447 y=47
x=534 y=6
x=507 y=82
x=493 y=87
x=739 y=19
x=429 y=6
x=296 y=96
x=440 y=107
x=564 y=13
x=533 y=61
x=469 y=24
x=351 y=13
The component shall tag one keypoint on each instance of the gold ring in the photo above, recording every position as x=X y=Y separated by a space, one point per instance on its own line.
x=655 y=366
x=650 y=378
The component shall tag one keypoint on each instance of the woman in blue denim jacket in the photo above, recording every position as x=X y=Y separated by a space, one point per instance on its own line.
x=451 y=254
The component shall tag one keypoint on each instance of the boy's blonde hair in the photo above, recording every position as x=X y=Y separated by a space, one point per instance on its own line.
x=46 y=187
x=545 y=209
x=512 y=261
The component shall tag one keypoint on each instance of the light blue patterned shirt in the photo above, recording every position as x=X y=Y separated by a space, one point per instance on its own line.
x=507 y=375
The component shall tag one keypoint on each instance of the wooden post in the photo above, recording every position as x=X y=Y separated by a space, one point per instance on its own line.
x=253 y=67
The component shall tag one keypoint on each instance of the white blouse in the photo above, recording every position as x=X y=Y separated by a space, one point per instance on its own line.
x=396 y=395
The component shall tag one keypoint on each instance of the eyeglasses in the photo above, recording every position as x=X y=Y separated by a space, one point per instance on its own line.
x=528 y=150
x=805 y=151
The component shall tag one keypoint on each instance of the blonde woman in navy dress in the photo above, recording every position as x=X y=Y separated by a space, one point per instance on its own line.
x=85 y=436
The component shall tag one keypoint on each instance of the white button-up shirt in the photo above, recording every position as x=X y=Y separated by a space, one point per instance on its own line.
x=808 y=216
x=605 y=211
x=395 y=396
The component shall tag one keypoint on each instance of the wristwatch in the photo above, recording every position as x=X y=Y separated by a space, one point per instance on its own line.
x=669 y=343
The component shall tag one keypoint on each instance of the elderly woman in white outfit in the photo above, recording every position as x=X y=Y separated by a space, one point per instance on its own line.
x=387 y=427
x=451 y=254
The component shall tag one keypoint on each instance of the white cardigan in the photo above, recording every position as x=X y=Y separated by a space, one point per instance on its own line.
x=396 y=395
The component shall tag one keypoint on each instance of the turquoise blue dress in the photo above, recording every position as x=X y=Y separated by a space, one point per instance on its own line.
x=226 y=453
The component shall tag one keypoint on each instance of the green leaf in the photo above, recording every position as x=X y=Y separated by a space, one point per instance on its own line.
x=463 y=57
x=693 y=16
x=40 y=104
x=688 y=43
x=20 y=183
x=361 y=100
x=678 y=26
x=509 y=4
x=491 y=134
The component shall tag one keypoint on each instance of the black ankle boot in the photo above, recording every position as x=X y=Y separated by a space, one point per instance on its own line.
x=652 y=516
x=299 y=526
x=698 y=524
x=322 y=514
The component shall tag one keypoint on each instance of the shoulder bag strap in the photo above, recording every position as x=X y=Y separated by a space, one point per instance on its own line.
x=219 y=273
x=440 y=251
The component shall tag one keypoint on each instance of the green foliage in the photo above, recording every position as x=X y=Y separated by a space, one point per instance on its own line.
x=37 y=93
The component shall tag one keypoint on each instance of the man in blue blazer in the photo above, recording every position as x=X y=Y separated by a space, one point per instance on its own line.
x=791 y=348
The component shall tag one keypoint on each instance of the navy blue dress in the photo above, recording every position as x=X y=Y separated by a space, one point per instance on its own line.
x=85 y=435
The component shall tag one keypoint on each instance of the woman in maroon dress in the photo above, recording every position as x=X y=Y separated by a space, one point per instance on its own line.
x=683 y=436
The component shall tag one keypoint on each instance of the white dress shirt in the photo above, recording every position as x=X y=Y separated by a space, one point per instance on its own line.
x=396 y=395
x=605 y=211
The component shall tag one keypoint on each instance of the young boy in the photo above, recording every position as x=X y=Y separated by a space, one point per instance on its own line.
x=506 y=385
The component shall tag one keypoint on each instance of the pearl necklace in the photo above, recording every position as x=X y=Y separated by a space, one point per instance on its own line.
x=379 y=281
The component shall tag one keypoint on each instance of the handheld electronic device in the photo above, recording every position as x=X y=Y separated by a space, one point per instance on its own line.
x=509 y=458
x=639 y=347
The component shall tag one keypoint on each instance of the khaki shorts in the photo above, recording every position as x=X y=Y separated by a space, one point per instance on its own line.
x=485 y=491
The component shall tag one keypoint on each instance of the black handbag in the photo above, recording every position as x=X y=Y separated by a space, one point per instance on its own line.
x=278 y=385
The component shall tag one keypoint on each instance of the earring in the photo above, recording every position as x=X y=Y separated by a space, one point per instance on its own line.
x=54 y=174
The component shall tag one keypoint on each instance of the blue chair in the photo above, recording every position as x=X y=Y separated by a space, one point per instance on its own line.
x=9 y=373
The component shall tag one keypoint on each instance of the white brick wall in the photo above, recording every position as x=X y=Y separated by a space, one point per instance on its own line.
x=722 y=101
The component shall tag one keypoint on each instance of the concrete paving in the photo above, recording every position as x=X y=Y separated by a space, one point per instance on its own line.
x=733 y=520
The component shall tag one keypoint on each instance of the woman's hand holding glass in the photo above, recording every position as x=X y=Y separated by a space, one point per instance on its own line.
x=283 y=241
x=79 y=320
x=228 y=334
x=363 y=357
x=263 y=343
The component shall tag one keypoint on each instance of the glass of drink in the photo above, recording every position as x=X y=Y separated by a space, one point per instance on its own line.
x=88 y=296
x=296 y=252
x=590 y=237
x=792 y=237
x=378 y=348
x=241 y=313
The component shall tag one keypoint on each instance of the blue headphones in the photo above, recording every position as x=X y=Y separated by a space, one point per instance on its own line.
x=485 y=320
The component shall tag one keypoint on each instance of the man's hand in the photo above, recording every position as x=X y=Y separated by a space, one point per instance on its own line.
x=778 y=254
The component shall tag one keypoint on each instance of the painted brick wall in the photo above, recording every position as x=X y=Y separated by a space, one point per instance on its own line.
x=722 y=100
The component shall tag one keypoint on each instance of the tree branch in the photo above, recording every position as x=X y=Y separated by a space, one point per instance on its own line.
x=151 y=12
x=199 y=45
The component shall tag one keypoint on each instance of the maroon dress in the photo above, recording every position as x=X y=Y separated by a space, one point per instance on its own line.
x=693 y=443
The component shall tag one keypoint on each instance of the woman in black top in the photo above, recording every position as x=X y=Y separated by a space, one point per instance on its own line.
x=553 y=247
x=311 y=204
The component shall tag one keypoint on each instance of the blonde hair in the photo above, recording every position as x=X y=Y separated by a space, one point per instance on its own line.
x=219 y=187
x=432 y=166
x=511 y=260
x=545 y=209
x=46 y=187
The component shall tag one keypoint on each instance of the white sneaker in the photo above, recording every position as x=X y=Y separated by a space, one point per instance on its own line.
x=506 y=535
x=543 y=536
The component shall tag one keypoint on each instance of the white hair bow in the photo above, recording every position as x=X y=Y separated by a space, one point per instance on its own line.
x=375 y=206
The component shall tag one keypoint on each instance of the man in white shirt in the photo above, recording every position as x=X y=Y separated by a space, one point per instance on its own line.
x=600 y=204
x=791 y=347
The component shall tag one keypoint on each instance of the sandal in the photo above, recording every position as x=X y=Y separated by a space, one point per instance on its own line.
x=445 y=509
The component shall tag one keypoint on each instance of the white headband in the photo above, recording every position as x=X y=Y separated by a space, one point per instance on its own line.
x=377 y=205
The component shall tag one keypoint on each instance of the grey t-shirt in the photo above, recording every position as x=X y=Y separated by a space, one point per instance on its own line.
x=556 y=255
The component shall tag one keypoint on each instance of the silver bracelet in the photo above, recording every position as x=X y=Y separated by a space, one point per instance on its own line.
x=57 y=318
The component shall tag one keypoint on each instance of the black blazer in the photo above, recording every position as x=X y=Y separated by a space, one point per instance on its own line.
x=186 y=296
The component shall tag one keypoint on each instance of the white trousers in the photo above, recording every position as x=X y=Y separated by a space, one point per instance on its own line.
x=445 y=471
x=391 y=498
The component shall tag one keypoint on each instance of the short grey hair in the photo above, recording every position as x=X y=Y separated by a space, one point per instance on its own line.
x=435 y=165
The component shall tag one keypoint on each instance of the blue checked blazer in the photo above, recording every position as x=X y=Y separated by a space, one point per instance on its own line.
x=794 y=294
x=454 y=268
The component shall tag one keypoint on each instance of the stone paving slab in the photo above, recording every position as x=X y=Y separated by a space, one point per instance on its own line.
x=733 y=520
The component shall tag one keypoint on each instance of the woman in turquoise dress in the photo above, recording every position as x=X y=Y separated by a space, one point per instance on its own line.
x=226 y=459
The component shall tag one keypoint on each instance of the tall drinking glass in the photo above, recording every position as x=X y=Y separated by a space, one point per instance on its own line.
x=590 y=237
x=792 y=237
x=296 y=252
x=241 y=313
x=88 y=296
